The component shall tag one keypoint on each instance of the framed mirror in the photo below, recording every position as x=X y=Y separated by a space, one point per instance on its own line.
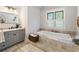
x=8 y=18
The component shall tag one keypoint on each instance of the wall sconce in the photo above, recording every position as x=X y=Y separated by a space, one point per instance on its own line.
x=9 y=7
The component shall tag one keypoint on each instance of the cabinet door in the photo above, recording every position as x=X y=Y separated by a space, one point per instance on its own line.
x=15 y=35
x=21 y=34
x=2 y=45
x=11 y=37
x=18 y=35
x=8 y=38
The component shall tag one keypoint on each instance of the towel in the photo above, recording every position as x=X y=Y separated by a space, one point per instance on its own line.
x=34 y=35
x=2 y=38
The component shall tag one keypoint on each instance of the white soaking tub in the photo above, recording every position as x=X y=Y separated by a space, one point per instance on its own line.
x=66 y=38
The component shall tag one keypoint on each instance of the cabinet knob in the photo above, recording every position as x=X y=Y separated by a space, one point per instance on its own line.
x=3 y=45
x=14 y=34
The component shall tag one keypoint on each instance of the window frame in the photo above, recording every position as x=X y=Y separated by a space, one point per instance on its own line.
x=59 y=11
x=63 y=17
x=48 y=13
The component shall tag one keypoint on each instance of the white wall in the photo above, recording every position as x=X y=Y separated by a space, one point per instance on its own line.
x=30 y=18
x=77 y=16
x=33 y=19
x=77 y=10
x=23 y=15
x=70 y=17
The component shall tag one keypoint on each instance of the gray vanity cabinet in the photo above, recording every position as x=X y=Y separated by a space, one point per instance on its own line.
x=12 y=37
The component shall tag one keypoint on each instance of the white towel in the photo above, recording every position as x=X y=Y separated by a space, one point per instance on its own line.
x=34 y=35
x=2 y=38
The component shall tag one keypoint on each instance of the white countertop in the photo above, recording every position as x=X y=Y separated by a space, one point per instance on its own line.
x=10 y=29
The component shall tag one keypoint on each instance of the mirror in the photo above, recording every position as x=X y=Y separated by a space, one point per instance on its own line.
x=8 y=18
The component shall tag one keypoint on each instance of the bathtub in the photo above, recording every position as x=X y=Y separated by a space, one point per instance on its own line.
x=66 y=38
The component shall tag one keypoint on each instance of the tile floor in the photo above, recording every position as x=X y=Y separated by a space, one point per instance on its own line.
x=23 y=47
x=43 y=45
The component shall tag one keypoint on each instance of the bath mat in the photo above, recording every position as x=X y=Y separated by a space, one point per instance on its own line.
x=29 y=48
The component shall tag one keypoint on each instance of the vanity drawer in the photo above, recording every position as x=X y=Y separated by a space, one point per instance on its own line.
x=11 y=35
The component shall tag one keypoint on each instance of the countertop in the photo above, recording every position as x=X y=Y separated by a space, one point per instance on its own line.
x=5 y=30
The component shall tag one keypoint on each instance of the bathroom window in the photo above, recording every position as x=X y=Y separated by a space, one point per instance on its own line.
x=55 y=19
x=59 y=19
x=51 y=16
x=59 y=15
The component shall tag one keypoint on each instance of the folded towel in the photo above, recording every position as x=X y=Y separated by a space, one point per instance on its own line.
x=2 y=38
x=34 y=35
